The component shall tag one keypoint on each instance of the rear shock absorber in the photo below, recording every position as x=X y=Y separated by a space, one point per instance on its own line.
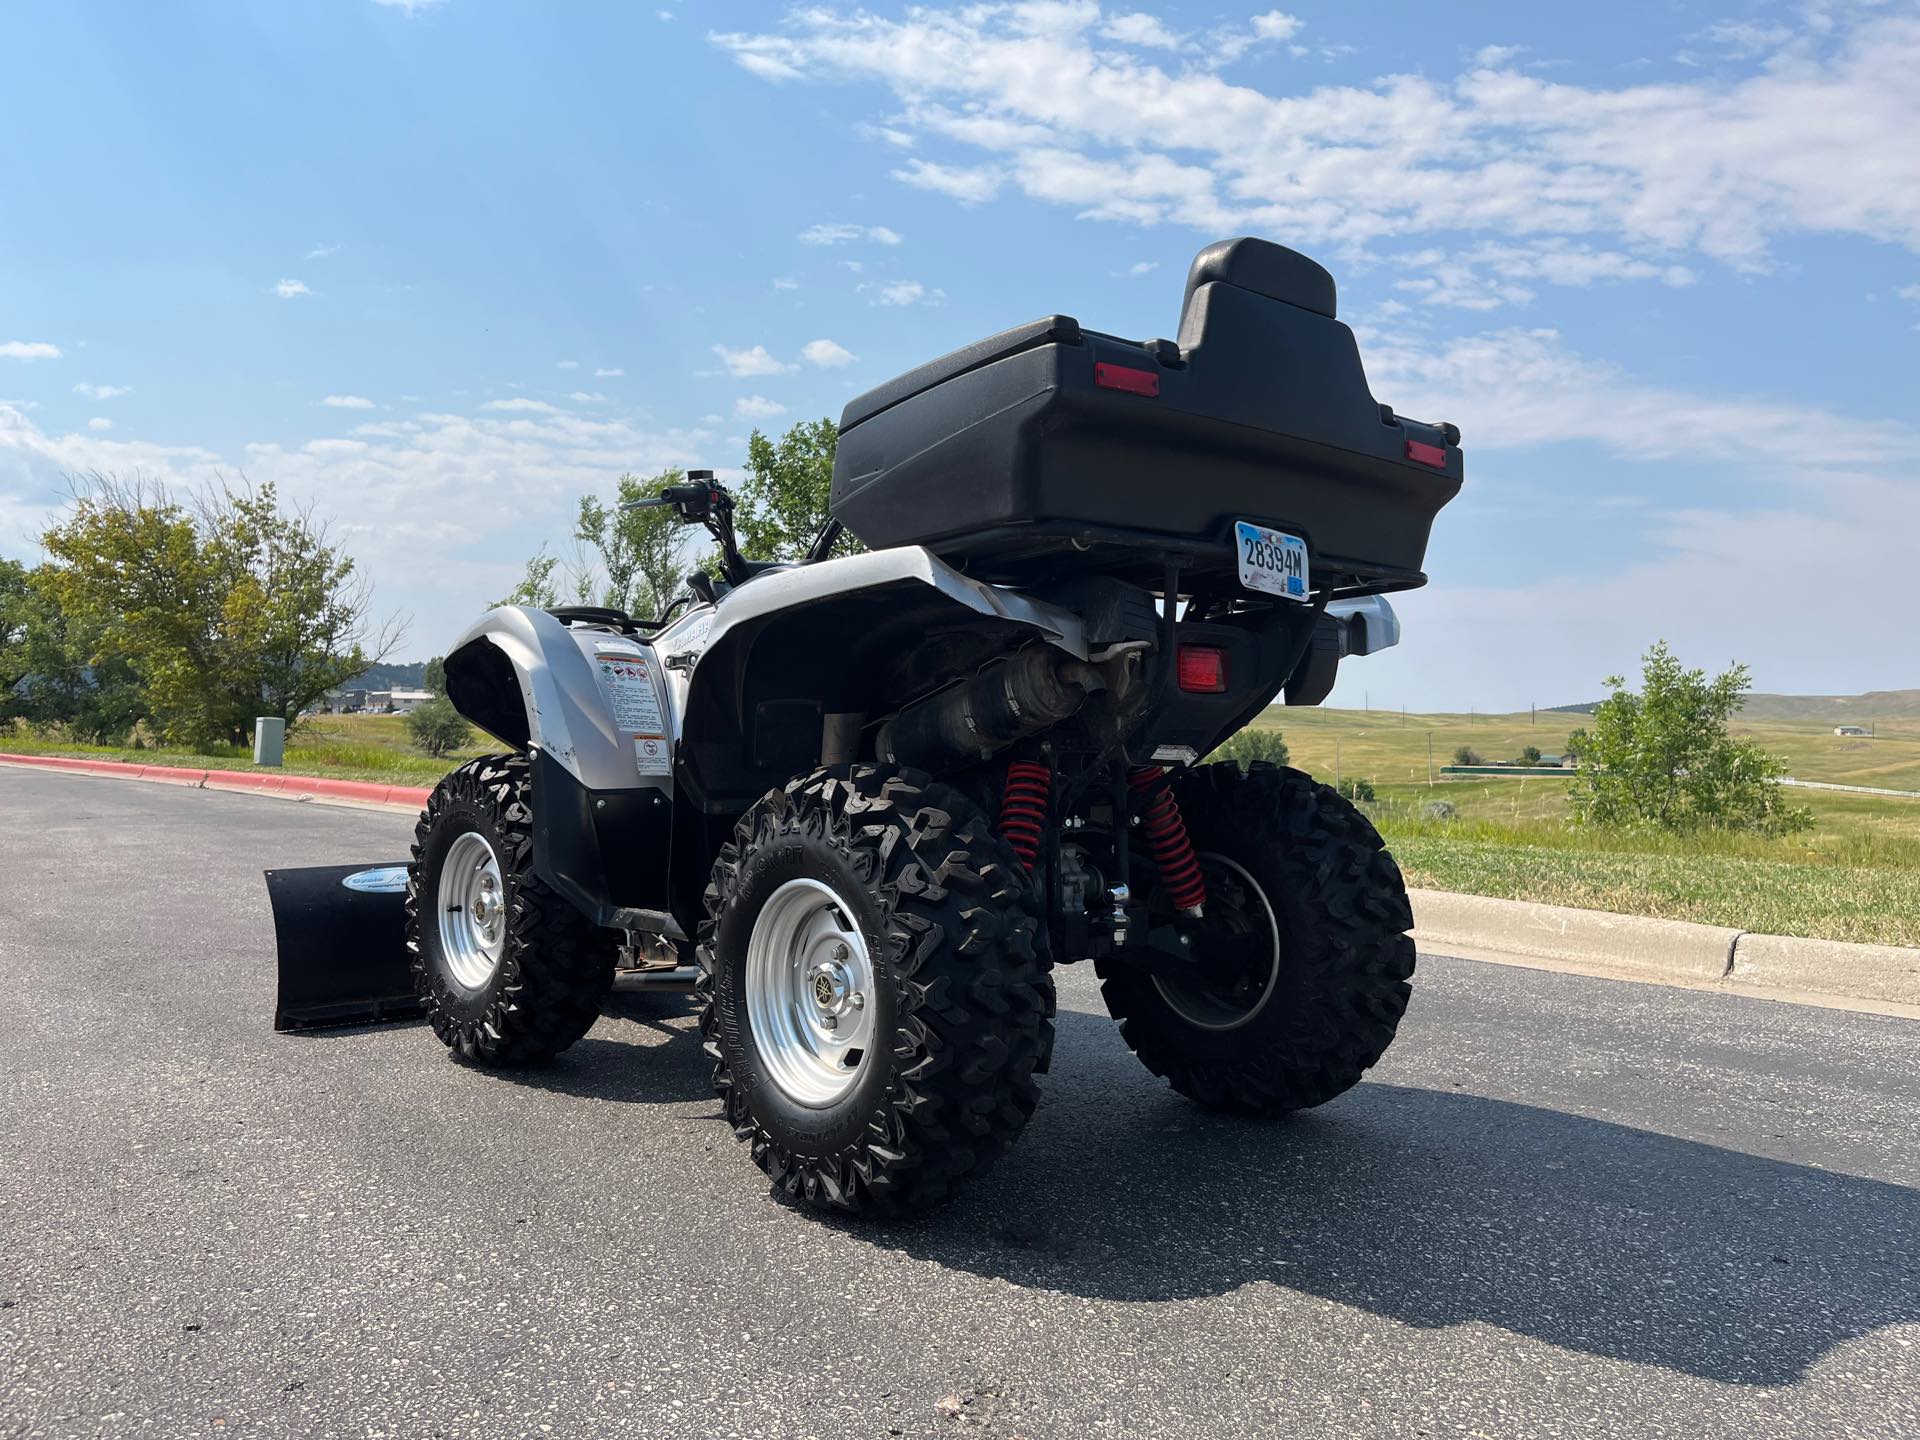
x=1024 y=807
x=1167 y=837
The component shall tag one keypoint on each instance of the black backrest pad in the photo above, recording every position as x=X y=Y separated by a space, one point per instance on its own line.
x=1264 y=268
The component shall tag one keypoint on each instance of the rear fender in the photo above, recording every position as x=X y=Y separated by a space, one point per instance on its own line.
x=855 y=636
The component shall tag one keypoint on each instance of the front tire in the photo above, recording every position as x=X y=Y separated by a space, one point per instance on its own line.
x=1286 y=856
x=875 y=1007
x=509 y=971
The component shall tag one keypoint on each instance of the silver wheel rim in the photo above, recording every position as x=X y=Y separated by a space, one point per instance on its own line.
x=810 y=993
x=473 y=910
x=1208 y=1009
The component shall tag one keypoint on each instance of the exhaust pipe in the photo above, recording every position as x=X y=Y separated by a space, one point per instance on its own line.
x=1031 y=691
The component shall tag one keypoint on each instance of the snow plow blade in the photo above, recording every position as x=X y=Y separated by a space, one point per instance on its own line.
x=341 y=933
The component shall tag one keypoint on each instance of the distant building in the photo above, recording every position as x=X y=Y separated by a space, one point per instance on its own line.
x=401 y=701
x=1859 y=730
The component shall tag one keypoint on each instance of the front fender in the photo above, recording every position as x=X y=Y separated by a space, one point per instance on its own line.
x=519 y=674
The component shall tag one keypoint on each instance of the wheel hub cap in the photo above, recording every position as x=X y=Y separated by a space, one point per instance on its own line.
x=809 y=982
x=472 y=902
x=1236 y=901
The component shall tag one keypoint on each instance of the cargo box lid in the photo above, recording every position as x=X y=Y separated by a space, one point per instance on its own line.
x=1054 y=329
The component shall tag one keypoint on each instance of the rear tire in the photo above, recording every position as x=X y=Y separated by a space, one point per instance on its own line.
x=527 y=978
x=1327 y=1008
x=879 y=883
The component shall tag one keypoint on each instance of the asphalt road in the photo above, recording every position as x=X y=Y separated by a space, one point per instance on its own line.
x=1561 y=1206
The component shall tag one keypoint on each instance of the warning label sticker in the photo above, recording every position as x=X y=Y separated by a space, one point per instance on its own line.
x=631 y=694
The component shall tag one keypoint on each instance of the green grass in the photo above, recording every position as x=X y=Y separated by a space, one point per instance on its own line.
x=1855 y=876
x=337 y=747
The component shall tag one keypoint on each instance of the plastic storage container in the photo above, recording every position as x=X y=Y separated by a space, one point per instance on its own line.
x=1049 y=450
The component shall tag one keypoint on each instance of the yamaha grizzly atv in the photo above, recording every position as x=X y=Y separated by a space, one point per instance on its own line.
x=869 y=802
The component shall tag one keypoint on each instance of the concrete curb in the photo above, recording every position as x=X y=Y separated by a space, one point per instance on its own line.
x=290 y=787
x=1670 y=952
x=1629 y=944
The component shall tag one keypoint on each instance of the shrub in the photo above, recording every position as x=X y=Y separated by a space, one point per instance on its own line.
x=1530 y=755
x=1253 y=744
x=1358 y=789
x=436 y=727
x=1438 y=810
x=1467 y=755
x=1662 y=757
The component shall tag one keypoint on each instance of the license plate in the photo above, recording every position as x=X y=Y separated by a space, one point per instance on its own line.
x=1271 y=561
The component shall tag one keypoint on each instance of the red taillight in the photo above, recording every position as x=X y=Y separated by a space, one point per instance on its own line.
x=1123 y=377
x=1425 y=454
x=1202 y=670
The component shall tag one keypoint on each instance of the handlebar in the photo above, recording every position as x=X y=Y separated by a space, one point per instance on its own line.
x=687 y=494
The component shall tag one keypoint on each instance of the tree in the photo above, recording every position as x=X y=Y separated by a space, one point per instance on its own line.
x=1530 y=755
x=1253 y=744
x=51 y=668
x=782 y=499
x=434 y=677
x=437 y=728
x=1466 y=755
x=637 y=562
x=1663 y=757
x=537 y=588
x=226 y=609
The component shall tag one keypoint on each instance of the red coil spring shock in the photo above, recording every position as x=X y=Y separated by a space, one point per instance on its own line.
x=1167 y=838
x=1023 y=808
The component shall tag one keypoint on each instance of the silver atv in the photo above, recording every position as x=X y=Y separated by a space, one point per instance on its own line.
x=865 y=803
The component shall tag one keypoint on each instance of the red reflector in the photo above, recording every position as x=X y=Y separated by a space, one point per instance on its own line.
x=1203 y=670
x=1122 y=377
x=1434 y=455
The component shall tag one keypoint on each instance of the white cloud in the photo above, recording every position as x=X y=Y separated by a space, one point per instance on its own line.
x=970 y=185
x=101 y=392
x=28 y=350
x=1492 y=57
x=1819 y=140
x=844 y=234
x=608 y=374
x=566 y=365
x=1276 y=25
x=521 y=405
x=1909 y=292
x=291 y=289
x=757 y=361
x=348 y=402
x=99 y=422
x=411 y=7
x=786 y=283
x=589 y=397
x=757 y=407
x=477 y=492
x=1137 y=269
x=827 y=354
x=322 y=252
x=1142 y=29
x=904 y=292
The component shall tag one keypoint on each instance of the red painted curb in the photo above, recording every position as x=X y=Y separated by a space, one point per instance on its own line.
x=367 y=792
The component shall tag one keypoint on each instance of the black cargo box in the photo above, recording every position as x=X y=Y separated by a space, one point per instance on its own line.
x=1049 y=450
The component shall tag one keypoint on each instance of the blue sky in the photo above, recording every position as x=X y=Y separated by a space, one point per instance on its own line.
x=440 y=268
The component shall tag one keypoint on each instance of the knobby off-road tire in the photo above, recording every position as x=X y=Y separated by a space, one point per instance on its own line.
x=963 y=1017
x=1345 y=959
x=554 y=966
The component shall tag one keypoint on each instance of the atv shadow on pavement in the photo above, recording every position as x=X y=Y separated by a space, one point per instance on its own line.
x=1436 y=1208
x=644 y=1050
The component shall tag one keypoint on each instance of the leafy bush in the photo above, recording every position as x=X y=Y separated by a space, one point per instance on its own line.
x=1438 y=810
x=1358 y=790
x=1663 y=757
x=436 y=727
x=1253 y=744
x=1530 y=755
x=1467 y=755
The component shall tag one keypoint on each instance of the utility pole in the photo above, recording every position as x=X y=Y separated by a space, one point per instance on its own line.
x=1429 y=758
x=1533 y=714
x=1336 y=762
